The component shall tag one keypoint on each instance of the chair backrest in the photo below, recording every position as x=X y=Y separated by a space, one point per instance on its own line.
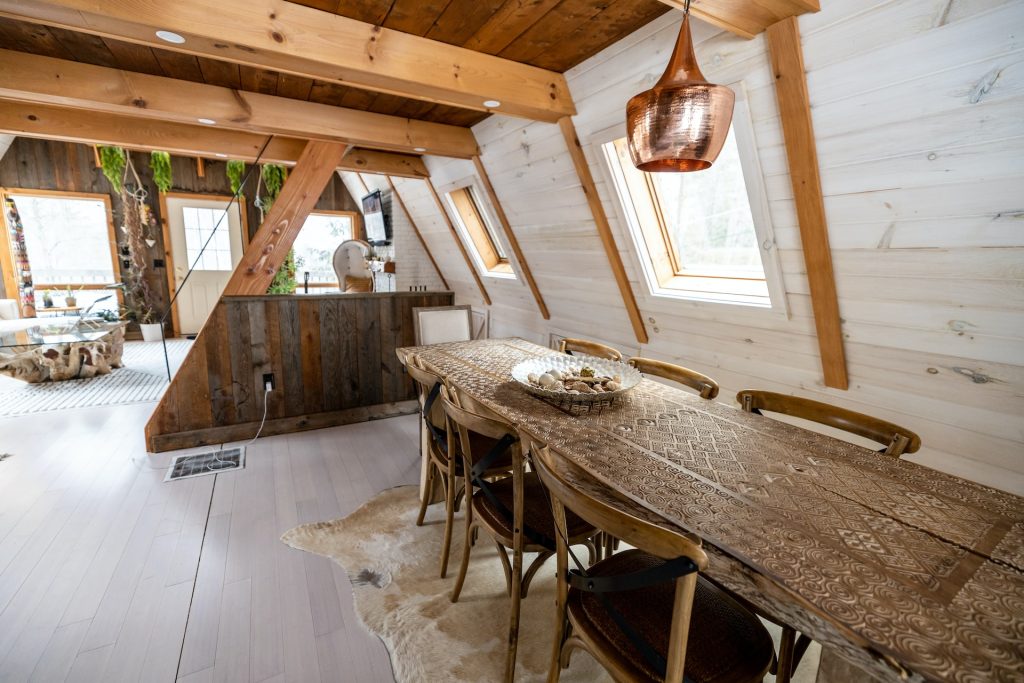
x=705 y=386
x=896 y=439
x=461 y=421
x=573 y=489
x=440 y=324
x=426 y=380
x=590 y=348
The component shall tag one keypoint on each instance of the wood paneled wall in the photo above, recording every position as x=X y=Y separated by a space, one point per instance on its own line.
x=332 y=357
x=49 y=165
x=921 y=167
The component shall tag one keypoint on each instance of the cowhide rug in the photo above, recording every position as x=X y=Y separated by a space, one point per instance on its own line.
x=393 y=565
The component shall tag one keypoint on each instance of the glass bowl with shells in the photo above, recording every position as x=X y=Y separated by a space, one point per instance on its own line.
x=579 y=378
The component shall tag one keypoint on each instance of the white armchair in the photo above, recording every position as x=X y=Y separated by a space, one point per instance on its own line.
x=9 y=309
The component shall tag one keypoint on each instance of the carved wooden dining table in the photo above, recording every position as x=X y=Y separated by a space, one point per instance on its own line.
x=904 y=571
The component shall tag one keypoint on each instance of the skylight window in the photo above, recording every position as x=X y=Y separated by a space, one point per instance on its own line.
x=485 y=244
x=701 y=235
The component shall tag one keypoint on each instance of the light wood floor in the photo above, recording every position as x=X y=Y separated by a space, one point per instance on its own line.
x=109 y=574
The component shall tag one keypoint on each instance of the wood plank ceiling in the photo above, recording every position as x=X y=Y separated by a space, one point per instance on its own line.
x=552 y=34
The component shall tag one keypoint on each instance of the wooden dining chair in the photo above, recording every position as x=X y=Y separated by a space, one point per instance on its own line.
x=441 y=324
x=440 y=467
x=644 y=614
x=512 y=510
x=589 y=348
x=704 y=385
x=895 y=439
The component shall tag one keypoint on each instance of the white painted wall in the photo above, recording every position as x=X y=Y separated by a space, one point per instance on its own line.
x=412 y=265
x=917 y=109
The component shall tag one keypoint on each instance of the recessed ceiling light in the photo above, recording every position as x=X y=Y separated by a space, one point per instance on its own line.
x=170 y=37
x=491 y=104
x=222 y=156
x=419 y=149
x=208 y=122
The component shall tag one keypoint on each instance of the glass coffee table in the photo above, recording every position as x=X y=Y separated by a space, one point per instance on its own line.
x=41 y=350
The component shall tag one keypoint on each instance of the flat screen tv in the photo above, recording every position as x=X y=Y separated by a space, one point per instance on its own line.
x=376 y=219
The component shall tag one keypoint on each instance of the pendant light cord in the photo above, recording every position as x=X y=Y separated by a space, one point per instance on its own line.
x=686 y=7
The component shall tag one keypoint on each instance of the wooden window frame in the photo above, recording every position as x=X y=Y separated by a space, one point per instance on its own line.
x=357 y=234
x=657 y=255
x=7 y=262
x=465 y=201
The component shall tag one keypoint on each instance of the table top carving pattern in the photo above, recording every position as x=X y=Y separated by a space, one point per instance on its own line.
x=920 y=567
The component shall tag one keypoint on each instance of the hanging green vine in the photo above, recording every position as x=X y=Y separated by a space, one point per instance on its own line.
x=284 y=281
x=273 y=179
x=160 y=164
x=235 y=171
x=112 y=162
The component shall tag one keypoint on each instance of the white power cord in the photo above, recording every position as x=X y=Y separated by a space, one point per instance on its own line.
x=266 y=393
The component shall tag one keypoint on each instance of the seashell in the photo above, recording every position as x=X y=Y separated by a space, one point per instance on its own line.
x=598 y=389
x=556 y=374
x=582 y=387
x=532 y=378
x=612 y=386
x=546 y=381
x=572 y=391
x=617 y=378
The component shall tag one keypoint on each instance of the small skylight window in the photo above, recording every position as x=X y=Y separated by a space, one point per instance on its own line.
x=484 y=242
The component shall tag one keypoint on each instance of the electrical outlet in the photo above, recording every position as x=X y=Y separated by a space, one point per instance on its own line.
x=268 y=381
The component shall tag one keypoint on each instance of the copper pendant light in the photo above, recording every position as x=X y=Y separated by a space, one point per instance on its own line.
x=682 y=122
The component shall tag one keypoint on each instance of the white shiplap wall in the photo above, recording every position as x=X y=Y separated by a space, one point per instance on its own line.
x=917 y=110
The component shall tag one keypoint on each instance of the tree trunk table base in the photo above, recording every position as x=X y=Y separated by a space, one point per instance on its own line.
x=66 y=360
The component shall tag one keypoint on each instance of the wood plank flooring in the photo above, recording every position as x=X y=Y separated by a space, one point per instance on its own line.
x=109 y=574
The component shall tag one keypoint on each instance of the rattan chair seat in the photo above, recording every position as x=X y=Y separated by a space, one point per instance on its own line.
x=536 y=509
x=727 y=642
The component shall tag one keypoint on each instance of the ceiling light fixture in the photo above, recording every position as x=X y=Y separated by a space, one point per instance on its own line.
x=218 y=154
x=491 y=104
x=170 y=37
x=419 y=149
x=682 y=122
x=208 y=122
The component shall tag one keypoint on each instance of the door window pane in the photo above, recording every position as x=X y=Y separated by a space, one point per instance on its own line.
x=207 y=227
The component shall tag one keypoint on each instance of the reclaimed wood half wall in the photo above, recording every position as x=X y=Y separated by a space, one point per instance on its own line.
x=332 y=358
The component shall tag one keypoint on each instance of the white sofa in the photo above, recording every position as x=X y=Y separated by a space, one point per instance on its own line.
x=9 y=309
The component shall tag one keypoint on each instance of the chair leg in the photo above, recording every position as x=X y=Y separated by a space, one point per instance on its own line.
x=513 y=625
x=466 y=548
x=449 y=521
x=787 y=645
x=503 y=556
x=426 y=493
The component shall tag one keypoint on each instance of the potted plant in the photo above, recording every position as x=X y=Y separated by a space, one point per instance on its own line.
x=71 y=297
x=47 y=299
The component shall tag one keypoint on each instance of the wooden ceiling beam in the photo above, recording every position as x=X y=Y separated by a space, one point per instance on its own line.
x=71 y=125
x=46 y=80
x=745 y=18
x=299 y=40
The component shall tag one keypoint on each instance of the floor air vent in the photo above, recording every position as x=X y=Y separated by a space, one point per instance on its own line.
x=185 y=466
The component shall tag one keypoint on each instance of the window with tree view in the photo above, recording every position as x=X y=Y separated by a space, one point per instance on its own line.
x=70 y=249
x=697 y=229
x=316 y=243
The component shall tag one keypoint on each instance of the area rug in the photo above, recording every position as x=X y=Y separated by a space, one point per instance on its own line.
x=393 y=566
x=143 y=378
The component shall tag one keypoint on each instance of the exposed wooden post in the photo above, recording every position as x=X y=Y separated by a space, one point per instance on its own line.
x=269 y=246
x=795 y=110
x=458 y=243
x=415 y=229
x=511 y=237
x=604 y=230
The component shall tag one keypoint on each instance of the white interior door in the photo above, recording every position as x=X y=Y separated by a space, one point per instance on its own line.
x=192 y=223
